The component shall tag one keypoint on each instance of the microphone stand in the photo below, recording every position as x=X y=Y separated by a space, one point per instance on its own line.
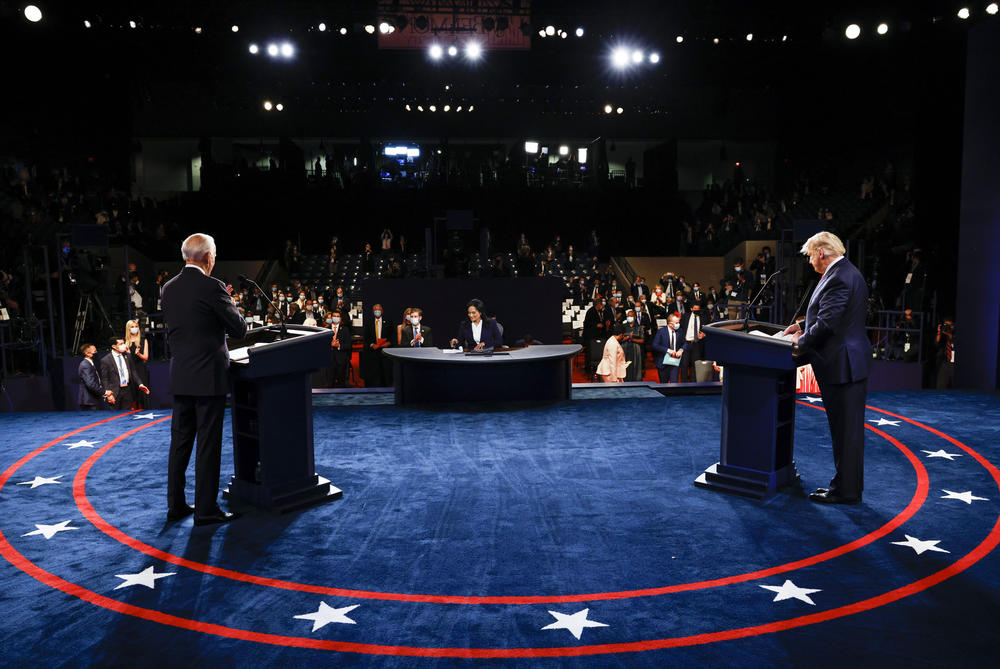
x=805 y=296
x=746 y=320
x=283 y=334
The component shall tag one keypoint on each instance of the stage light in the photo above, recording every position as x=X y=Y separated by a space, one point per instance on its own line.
x=541 y=32
x=33 y=13
x=453 y=51
x=384 y=28
x=254 y=49
x=471 y=107
x=370 y=28
x=473 y=51
x=321 y=27
x=458 y=108
x=279 y=107
x=581 y=155
x=680 y=39
x=620 y=110
x=749 y=37
x=550 y=30
x=563 y=150
x=287 y=50
x=579 y=32
x=408 y=108
x=637 y=56
x=963 y=13
x=883 y=28
x=608 y=109
x=619 y=58
x=715 y=40
x=992 y=9
x=564 y=34
x=784 y=38
x=86 y=24
x=435 y=52
x=420 y=108
x=197 y=30
x=853 y=31
x=132 y=25
x=235 y=28
x=447 y=108
x=654 y=58
x=433 y=108
x=267 y=105
x=272 y=50
x=343 y=31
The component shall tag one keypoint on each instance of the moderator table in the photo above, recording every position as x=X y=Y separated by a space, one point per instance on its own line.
x=536 y=373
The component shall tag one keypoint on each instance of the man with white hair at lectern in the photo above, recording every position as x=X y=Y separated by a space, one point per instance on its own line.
x=833 y=339
x=199 y=312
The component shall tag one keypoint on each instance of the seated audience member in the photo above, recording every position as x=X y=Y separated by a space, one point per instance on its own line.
x=693 y=345
x=613 y=366
x=477 y=332
x=415 y=334
x=309 y=317
x=340 y=349
x=668 y=347
x=632 y=344
x=91 y=394
x=402 y=324
x=120 y=378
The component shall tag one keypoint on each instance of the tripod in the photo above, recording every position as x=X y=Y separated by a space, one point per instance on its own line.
x=83 y=310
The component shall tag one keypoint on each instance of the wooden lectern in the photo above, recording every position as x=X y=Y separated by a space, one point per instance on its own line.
x=758 y=409
x=273 y=419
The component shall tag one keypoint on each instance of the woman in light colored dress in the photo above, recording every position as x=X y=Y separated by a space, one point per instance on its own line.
x=612 y=365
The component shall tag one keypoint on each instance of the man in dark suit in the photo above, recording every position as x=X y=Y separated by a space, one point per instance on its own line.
x=416 y=334
x=833 y=339
x=340 y=348
x=694 y=347
x=376 y=334
x=668 y=342
x=597 y=323
x=199 y=312
x=119 y=377
x=91 y=394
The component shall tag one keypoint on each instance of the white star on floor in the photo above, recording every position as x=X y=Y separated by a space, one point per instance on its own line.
x=789 y=590
x=966 y=496
x=921 y=546
x=882 y=421
x=813 y=400
x=147 y=416
x=49 y=531
x=146 y=577
x=83 y=443
x=574 y=623
x=942 y=454
x=41 y=480
x=325 y=615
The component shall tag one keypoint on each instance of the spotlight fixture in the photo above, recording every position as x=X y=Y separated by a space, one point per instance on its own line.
x=272 y=50
x=435 y=52
x=433 y=108
x=408 y=108
x=853 y=31
x=279 y=107
x=882 y=29
x=579 y=32
x=563 y=34
x=420 y=108
x=287 y=50
x=637 y=56
x=447 y=108
x=33 y=13
x=471 y=107
x=654 y=58
x=197 y=30
x=563 y=150
x=963 y=13
x=453 y=51
x=458 y=108
x=321 y=27
x=784 y=38
x=343 y=31
x=608 y=109
x=749 y=37
x=473 y=51
x=620 y=110
x=131 y=24
x=370 y=28
x=235 y=28
x=86 y=24
x=254 y=49
x=619 y=58
x=531 y=147
x=541 y=32
x=267 y=105
x=680 y=39
x=715 y=40
x=550 y=30
x=384 y=28
x=992 y=9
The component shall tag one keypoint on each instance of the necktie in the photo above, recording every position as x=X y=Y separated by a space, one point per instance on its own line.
x=416 y=333
x=378 y=328
x=121 y=370
x=697 y=327
x=673 y=342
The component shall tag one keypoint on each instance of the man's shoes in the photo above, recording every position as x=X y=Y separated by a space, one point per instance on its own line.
x=827 y=497
x=219 y=516
x=178 y=514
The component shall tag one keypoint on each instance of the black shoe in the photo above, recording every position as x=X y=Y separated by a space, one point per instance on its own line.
x=833 y=498
x=178 y=514
x=219 y=516
x=821 y=490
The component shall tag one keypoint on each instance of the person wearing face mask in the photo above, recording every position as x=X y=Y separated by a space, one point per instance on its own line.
x=340 y=348
x=632 y=343
x=120 y=378
x=668 y=348
x=376 y=368
x=697 y=296
x=694 y=346
x=613 y=367
x=91 y=392
x=320 y=308
x=415 y=334
x=639 y=288
x=679 y=305
x=403 y=323
x=310 y=314
x=138 y=348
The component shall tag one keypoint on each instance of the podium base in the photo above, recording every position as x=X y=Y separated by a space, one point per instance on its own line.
x=312 y=491
x=746 y=482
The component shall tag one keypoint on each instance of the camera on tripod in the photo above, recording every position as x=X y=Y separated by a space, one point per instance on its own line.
x=88 y=270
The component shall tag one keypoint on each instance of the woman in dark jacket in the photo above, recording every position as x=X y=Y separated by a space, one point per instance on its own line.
x=478 y=332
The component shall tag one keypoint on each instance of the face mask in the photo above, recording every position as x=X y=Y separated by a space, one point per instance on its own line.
x=711 y=306
x=134 y=330
x=122 y=348
x=738 y=267
x=377 y=313
x=697 y=287
x=302 y=297
x=618 y=295
x=630 y=319
x=335 y=319
x=281 y=299
x=415 y=320
x=321 y=300
x=676 y=326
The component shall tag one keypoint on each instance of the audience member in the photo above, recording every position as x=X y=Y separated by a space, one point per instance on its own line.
x=415 y=334
x=597 y=326
x=613 y=367
x=376 y=367
x=91 y=393
x=119 y=377
x=693 y=346
x=138 y=348
x=668 y=348
x=632 y=344
x=340 y=349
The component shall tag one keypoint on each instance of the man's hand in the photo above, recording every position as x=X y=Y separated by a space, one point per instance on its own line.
x=110 y=399
x=335 y=343
x=701 y=335
x=795 y=338
x=143 y=388
x=792 y=329
x=480 y=346
x=454 y=343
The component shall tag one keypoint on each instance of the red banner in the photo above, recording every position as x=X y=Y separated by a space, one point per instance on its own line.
x=505 y=25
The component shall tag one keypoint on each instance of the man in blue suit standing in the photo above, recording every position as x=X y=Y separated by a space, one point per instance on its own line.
x=833 y=339
x=668 y=343
x=91 y=394
x=199 y=313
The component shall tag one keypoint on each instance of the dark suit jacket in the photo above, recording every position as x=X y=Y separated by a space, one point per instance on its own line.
x=490 y=335
x=199 y=313
x=344 y=335
x=661 y=344
x=111 y=379
x=368 y=332
x=592 y=318
x=834 y=339
x=91 y=391
x=686 y=321
x=424 y=330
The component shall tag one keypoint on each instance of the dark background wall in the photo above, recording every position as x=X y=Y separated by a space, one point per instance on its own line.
x=978 y=319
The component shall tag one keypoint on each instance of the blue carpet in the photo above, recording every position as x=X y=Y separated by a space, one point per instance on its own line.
x=465 y=533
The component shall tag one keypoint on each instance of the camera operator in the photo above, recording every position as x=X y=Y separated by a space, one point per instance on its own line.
x=945 y=341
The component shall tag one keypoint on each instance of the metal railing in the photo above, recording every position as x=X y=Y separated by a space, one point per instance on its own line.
x=894 y=339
